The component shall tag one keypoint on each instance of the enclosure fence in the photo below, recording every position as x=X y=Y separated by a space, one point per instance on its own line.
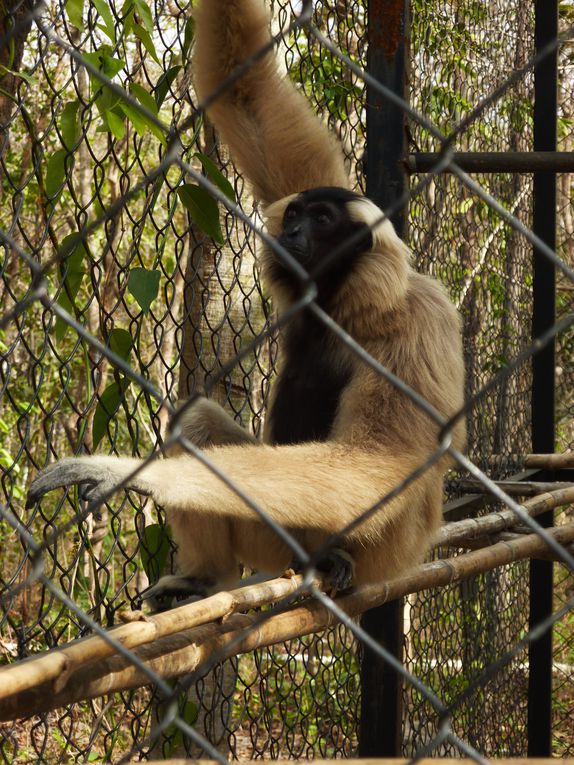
x=129 y=283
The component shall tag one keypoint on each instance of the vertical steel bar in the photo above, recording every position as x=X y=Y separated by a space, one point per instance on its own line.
x=380 y=732
x=543 y=383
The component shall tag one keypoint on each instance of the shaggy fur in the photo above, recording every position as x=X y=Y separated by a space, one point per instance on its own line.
x=378 y=436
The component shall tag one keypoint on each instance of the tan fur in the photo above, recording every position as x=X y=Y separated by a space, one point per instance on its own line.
x=379 y=435
x=272 y=134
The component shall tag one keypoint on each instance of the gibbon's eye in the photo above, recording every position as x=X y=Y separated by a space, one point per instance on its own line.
x=323 y=217
x=290 y=213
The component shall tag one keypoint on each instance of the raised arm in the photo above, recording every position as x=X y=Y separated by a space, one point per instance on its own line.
x=272 y=133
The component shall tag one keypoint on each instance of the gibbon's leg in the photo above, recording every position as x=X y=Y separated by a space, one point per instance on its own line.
x=271 y=130
x=306 y=488
x=207 y=424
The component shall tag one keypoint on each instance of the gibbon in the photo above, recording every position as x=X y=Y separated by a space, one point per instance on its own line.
x=338 y=436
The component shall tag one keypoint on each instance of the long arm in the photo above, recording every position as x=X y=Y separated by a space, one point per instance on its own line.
x=271 y=131
x=298 y=486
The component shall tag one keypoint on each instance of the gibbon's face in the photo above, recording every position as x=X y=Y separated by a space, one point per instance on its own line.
x=317 y=223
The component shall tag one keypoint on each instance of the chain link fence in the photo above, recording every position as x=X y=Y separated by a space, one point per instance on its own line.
x=177 y=298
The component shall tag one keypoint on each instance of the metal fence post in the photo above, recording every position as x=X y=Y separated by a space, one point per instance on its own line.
x=543 y=366
x=381 y=706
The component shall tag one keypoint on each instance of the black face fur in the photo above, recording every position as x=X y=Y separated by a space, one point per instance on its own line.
x=315 y=224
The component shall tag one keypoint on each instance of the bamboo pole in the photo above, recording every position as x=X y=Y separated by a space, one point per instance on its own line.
x=185 y=651
x=457 y=533
x=541 y=461
x=58 y=665
x=520 y=488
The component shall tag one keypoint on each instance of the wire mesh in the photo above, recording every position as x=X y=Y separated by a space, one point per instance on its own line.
x=182 y=311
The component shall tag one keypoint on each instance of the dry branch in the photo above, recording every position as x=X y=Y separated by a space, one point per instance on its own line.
x=185 y=651
x=458 y=533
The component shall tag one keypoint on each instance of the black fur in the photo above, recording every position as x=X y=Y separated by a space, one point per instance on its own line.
x=308 y=391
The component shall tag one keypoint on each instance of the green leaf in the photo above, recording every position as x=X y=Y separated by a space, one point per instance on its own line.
x=146 y=99
x=154 y=551
x=121 y=343
x=216 y=176
x=144 y=36
x=108 y=406
x=202 y=209
x=22 y=75
x=107 y=63
x=69 y=127
x=55 y=175
x=75 y=11
x=164 y=83
x=143 y=285
x=107 y=17
x=115 y=124
x=140 y=122
x=73 y=256
x=62 y=326
x=188 y=37
x=145 y=14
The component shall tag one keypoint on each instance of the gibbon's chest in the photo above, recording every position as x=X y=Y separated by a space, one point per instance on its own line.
x=309 y=386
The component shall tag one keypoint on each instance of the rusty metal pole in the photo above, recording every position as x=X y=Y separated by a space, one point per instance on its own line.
x=380 y=733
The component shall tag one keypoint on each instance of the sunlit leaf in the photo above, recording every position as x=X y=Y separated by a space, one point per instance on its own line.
x=144 y=97
x=145 y=14
x=115 y=124
x=144 y=36
x=75 y=11
x=107 y=17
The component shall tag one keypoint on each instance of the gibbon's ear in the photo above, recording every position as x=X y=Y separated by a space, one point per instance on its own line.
x=272 y=133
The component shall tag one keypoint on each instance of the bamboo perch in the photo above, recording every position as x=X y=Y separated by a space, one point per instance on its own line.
x=185 y=651
x=457 y=533
x=541 y=461
x=59 y=664
x=520 y=488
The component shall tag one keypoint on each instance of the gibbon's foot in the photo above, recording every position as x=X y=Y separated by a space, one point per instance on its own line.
x=181 y=589
x=98 y=481
x=337 y=565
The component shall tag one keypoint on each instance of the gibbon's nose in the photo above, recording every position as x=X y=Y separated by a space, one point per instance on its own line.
x=295 y=239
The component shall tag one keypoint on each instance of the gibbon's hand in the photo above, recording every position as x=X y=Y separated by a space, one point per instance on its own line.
x=101 y=481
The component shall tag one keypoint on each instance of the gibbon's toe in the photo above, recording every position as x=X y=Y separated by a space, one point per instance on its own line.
x=337 y=567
